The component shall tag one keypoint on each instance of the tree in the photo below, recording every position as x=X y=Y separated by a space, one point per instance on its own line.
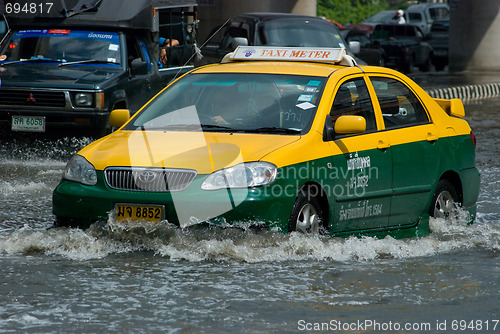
x=350 y=11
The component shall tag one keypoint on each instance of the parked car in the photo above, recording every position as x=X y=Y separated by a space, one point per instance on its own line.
x=64 y=73
x=367 y=26
x=369 y=51
x=273 y=29
x=438 y=39
x=292 y=139
x=404 y=46
x=385 y=16
x=423 y=15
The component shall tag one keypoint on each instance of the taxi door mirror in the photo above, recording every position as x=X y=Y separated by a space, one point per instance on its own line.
x=118 y=117
x=350 y=125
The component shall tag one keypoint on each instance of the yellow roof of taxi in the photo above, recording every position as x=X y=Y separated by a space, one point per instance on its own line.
x=278 y=67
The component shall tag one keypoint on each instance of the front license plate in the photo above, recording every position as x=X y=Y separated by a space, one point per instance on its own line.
x=28 y=123
x=152 y=213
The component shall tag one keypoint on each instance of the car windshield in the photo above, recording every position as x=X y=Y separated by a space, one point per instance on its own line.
x=62 y=46
x=234 y=102
x=439 y=13
x=381 y=17
x=295 y=33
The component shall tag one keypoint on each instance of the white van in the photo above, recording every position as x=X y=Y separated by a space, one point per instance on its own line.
x=424 y=15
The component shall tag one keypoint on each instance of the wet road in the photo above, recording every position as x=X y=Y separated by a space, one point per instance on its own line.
x=159 y=279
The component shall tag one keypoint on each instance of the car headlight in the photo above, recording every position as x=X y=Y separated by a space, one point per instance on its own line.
x=245 y=175
x=80 y=170
x=84 y=99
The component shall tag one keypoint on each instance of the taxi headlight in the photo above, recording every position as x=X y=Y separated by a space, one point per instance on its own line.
x=245 y=175
x=84 y=99
x=80 y=170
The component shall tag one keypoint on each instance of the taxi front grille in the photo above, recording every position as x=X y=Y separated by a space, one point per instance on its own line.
x=149 y=179
x=13 y=97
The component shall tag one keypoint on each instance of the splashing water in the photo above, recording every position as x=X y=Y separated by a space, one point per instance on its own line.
x=211 y=243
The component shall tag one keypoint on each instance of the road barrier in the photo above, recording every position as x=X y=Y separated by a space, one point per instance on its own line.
x=469 y=92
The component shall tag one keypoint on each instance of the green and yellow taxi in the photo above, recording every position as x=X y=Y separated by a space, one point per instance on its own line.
x=292 y=139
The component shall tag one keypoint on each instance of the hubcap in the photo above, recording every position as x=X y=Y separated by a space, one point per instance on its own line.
x=445 y=205
x=308 y=219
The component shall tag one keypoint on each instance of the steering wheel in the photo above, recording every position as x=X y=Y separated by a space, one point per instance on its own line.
x=253 y=108
x=205 y=119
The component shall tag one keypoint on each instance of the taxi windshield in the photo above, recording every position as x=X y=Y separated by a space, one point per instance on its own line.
x=62 y=46
x=234 y=102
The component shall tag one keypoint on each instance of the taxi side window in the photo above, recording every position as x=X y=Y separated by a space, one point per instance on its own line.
x=352 y=98
x=400 y=107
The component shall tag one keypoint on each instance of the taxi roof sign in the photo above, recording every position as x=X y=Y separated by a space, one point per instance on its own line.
x=330 y=55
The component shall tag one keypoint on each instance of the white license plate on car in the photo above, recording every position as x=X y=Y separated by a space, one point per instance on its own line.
x=28 y=123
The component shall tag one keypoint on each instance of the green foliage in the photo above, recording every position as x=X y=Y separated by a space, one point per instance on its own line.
x=350 y=11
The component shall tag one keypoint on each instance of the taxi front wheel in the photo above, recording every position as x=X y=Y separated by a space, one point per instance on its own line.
x=445 y=201
x=307 y=215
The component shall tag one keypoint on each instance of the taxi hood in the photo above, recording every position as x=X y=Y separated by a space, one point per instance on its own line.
x=204 y=152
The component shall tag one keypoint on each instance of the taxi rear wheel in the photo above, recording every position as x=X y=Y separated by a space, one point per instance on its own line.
x=445 y=201
x=307 y=215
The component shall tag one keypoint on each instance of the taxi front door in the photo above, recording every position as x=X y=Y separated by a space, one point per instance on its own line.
x=362 y=164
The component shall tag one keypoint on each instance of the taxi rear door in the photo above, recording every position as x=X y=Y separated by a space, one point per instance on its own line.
x=415 y=149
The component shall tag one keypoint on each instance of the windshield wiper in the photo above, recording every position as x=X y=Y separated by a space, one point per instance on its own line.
x=216 y=127
x=41 y=60
x=274 y=129
x=89 y=61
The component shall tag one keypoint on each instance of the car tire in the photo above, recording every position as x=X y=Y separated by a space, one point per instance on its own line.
x=439 y=65
x=408 y=67
x=382 y=61
x=445 y=201
x=425 y=67
x=71 y=223
x=307 y=215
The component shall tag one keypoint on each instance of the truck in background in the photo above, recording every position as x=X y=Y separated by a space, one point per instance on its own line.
x=274 y=29
x=64 y=70
x=423 y=15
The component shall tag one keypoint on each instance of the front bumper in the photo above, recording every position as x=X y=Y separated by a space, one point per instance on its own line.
x=79 y=205
x=59 y=123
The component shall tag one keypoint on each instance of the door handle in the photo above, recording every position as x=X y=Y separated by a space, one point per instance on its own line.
x=382 y=145
x=431 y=137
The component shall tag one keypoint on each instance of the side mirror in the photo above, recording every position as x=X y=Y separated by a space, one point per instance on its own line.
x=138 y=67
x=328 y=131
x=118 y=117
x=239 y=41
x=355 y=47
x=350 y=125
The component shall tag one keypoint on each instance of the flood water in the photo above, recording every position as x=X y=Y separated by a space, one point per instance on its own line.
x=160 y=279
